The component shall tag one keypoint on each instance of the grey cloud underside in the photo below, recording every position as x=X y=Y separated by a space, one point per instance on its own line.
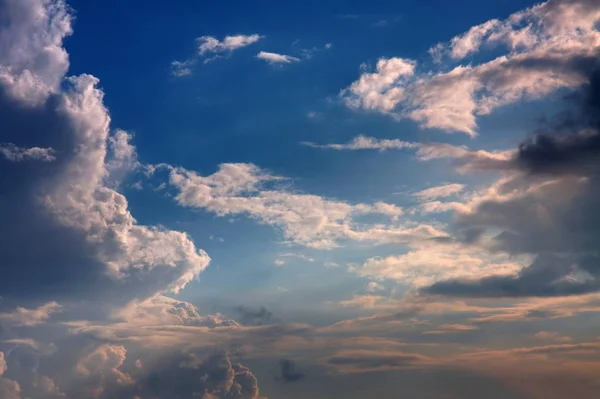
x=288 y=371
x=550 y=211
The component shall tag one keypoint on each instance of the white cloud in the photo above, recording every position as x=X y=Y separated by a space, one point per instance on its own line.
x=274 y=58
x=32 y=59
x=210 y=44
x=381 y=90
x=422 y=266
x=182 y=68
x=366 y=143
x=374 y=286
x=304 y=219
x=17 y=154
x=2 y=364
x=547 y=45
x=30 y=317
x=76 y=194
x=446 y=190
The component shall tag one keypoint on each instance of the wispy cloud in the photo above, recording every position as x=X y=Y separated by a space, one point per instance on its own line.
x=210 y=49
x=274 y=58
x=365 y=143
x=210 y=44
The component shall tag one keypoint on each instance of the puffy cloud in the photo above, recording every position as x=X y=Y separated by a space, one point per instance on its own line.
x=18 y=154
x=550 y=46
x=382 y=89
x=274 y=58
x=33 y=61
x=162 y=310
x=365 y=143
x=30 y=317
x=305 y=219
x=423 y=266
x=210 y=44
x=545 y=207
x=100 y=373
x=81 y=228
x=214 y=377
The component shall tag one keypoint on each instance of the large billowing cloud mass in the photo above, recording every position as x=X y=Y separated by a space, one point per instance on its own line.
x=420 y=281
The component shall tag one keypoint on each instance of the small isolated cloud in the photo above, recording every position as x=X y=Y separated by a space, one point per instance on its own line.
x=182 y=68
x=365 y=143
x=210 y=48
x=274 y=58
x=210 y=44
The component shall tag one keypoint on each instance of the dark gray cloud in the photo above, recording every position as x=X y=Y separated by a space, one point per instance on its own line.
x=549 y=210
x=547 y=276
x=185 y=376
x=254 y=317
x=288 y=371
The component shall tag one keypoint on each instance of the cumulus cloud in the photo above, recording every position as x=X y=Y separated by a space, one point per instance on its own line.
x=546 y=207
x=30 y=317
x=549 y=46
x=365 y=143
x=70 y=212
x=210 y=44
x=274 y=58
x=304 y=219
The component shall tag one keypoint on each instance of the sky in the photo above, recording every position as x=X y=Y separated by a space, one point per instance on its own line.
x=300 y=200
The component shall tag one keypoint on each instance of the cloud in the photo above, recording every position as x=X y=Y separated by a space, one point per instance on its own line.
x=446 y=190
x=378 y=90
x=68 y=232
x=210 y=44
x=288 y=371
x=30 y=317
x=252 y=317
x=466 y=160
x=450 y=329
x=552 y=336
x=211 y=48
x=365 y=143
x=545 y=207
x=17 y=154
x=358 y=361
x=425 y=265
x=182 y=68
x=304 y=219
x=549 y=46
x=274 y=58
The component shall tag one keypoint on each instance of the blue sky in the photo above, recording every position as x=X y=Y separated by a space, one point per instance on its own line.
x=301 y=200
